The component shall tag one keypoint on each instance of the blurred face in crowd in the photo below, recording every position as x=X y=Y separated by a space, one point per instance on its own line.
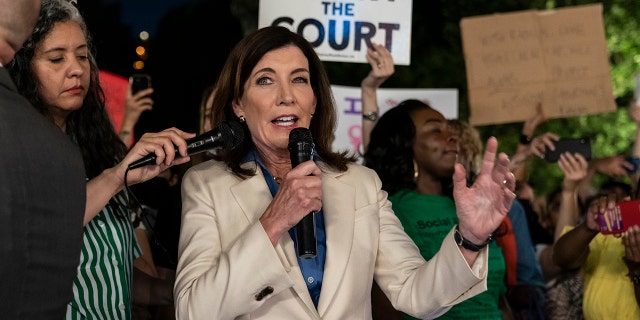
x=16 y=24
x=435 y=147
x=61 y=66
x=277 y=98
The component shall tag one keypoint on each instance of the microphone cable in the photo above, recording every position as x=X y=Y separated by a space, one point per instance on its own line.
x=136 y=209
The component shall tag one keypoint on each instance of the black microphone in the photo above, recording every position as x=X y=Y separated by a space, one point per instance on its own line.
x=227 y=135
x=300 y=150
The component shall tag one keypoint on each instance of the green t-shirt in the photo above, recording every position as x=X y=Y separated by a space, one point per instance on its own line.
x=427 y=219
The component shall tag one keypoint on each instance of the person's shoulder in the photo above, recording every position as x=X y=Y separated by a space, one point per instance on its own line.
x=355 y=174
x=356 y=169
x=215 y=168
x=209 y=167
x=207 y=164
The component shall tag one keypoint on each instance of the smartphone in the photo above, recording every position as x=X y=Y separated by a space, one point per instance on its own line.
x=139 y=81
x=573 y=145
x=624 y=215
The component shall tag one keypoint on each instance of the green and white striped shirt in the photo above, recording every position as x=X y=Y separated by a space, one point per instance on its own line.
x=102 y=288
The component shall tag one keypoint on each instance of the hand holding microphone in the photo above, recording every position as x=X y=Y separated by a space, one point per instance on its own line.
x=301 y=150
x=228 y=135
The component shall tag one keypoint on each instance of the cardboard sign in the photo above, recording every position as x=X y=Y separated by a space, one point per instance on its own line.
x=348 y=135
x=556 y=58
x=342 y=31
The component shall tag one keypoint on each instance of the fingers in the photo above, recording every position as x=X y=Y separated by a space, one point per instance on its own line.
x=139 y=102
x=597 y=207
x=459 y=177
x=142 y=93
x=499 y=169
x=164 y=144
x=550 y=139
x=303 y=184
x=631 y=241
x=381 y=60
x=307 y=168
x=489 y=155
x=500 y=172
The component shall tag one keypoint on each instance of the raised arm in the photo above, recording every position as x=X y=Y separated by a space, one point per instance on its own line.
x=111 y=181
x=134 y=106
x=572 y=248
x=524 y=150
x=382 y=68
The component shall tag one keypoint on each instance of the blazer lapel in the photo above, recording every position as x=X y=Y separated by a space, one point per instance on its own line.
x=253 y=206
x=339 y=227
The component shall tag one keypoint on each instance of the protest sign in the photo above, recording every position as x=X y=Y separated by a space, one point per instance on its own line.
x=556 y=58
x=342 y=31
x=348 y=135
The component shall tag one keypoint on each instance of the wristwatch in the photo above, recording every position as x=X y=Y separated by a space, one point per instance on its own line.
x=371 y=116
x=457 y=236
x=524 y=139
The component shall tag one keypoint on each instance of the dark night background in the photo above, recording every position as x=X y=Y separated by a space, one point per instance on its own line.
x=192 y=38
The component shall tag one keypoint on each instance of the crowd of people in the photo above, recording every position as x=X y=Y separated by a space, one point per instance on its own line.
x=434 y=223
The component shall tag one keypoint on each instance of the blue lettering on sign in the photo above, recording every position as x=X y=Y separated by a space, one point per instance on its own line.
x=352 y=105
x=362 y=32
x=337 y=8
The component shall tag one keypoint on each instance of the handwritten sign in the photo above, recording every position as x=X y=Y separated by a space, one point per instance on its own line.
x=556 y=58
x=343 y=30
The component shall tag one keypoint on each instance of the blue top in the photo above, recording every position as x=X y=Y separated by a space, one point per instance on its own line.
x=528 y=270
x=312 y=268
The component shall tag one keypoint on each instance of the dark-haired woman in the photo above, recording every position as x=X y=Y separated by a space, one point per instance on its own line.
x=56 y=71
x=237 y=257
x=414 y=151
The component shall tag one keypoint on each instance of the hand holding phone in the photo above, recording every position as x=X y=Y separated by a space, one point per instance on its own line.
x=572 y=145
x=139 y=81
x=624 y=215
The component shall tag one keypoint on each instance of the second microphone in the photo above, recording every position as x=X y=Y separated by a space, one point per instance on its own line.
x=228 y=135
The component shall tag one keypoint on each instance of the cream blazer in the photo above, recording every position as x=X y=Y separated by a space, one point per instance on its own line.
x=228 y=268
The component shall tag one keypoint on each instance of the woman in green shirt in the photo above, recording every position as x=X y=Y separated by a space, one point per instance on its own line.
x=414 y=152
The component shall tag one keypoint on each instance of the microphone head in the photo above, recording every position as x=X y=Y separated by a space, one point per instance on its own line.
x=230 y=134
x=299 y=134
x=237 y=133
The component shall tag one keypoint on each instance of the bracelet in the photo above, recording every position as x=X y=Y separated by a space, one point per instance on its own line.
x=524 y=139
x=371 y=116
x=457 y=236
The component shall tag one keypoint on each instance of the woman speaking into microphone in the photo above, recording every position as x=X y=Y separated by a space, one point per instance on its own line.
x=237 y=250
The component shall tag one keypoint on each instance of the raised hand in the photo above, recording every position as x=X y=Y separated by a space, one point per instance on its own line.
x=482 y=207
x=382 y=66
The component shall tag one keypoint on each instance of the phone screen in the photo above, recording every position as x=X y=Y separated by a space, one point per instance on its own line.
x=572 y=145
x=139 y=81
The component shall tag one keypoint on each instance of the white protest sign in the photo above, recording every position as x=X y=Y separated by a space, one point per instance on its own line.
x=348 y=134
x=342 y=31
